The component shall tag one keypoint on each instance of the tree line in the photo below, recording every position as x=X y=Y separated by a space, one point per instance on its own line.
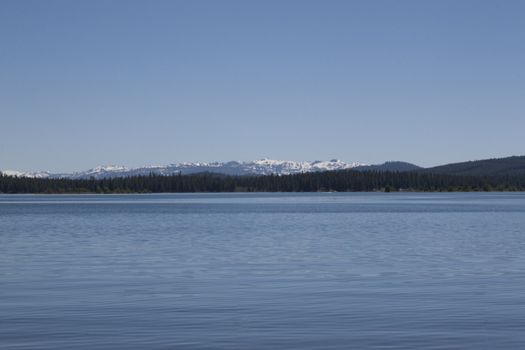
x=340 y=181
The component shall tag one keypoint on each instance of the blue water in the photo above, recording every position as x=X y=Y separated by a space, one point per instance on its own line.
x=263 y=271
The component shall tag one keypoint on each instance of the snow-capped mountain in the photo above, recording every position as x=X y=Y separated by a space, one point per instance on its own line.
x=258 y=167
x=35 y=174
x=99 y=172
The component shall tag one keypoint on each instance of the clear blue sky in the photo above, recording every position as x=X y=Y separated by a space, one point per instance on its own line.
x=84 y=83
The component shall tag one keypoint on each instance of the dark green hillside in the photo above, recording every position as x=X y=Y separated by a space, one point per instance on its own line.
x=389 y=166
x=510 y=166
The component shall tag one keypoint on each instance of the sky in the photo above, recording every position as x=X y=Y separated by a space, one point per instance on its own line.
x=85 y=83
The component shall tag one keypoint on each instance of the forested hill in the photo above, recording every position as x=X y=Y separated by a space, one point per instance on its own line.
x=345 y=180
x=509 y=166
x=389 y=166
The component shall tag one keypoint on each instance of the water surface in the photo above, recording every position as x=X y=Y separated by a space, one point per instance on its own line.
x=263 y=271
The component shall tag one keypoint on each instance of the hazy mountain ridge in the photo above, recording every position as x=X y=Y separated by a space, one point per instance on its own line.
x=508 y=166
x=258 y=167
x=33 y=174
x=389 y=166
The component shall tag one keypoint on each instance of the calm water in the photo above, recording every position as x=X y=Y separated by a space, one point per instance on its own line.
x=263 y=271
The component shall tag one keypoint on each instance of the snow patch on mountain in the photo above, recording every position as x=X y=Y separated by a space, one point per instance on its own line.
x=102 y=171
x=33 y=174
x=258 y=167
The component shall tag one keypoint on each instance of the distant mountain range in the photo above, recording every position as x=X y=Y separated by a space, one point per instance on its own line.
x=258 y=167
x=489 y=167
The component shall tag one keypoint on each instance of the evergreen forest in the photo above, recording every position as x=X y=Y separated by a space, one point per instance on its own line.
x=339 y=181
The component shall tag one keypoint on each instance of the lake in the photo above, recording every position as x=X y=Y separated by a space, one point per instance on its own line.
x=263 y=271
